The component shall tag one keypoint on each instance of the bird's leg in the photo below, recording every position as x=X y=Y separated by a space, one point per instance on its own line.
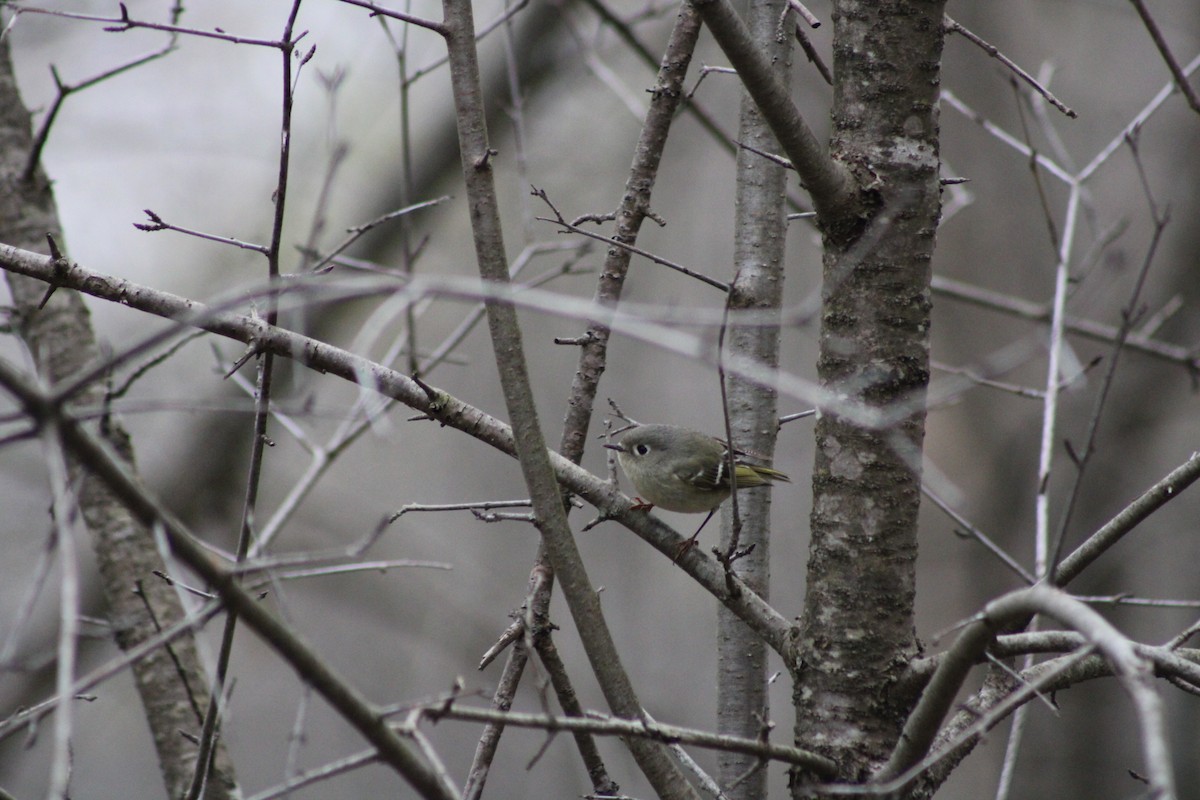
x=688 y=544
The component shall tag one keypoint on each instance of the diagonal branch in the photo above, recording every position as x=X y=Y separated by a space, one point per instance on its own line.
x=1132 y=669
x=57 y=331
x=100 y=461
x=1040 y=312
x=561 y=548
x=953 y=27
x=828 y=182
x=428 y=400
x=611 y=726
x=1177 y=72
x=1154 y=498
x=635 y=206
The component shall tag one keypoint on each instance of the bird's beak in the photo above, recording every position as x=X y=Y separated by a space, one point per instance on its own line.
x=616 y=447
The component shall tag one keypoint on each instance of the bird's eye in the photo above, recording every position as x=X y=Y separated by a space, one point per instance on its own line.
x=641 y=449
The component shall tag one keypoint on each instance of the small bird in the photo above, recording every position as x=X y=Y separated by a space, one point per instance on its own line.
x=684 y=470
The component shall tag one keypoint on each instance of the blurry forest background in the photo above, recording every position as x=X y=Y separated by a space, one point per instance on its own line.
x=194 y=137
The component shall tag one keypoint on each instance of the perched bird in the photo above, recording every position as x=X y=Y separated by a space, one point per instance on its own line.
x=684 y=470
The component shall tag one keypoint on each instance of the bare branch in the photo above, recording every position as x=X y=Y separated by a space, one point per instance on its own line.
x=1129 y=318
x=529 y=442
x=828 y=182
x=562 y=222
x=318 y=774
x=979 y=536
x=434 y=404
x=158 y=224
x=1039 y=312
x=316 y=671
x=206 y=749
x=66 y=90
x=612 y=726
x=31 y=715
x=993 y=51
x=1181 y=78
x=1131 y=667
x=626 y=33
x=126 y=23
x=1128 y=518
x=67 y=516
x=378 y=10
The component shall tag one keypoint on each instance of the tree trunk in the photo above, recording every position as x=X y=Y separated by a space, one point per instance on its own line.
x=858 y=629
x=760 y=231
x=170 y=681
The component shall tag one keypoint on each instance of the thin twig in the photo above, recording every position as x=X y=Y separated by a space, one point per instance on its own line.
x=1129 y=317
x=412 y=19
x=508 y=13
x=568 y=698
x=1012 y=749
x=776 y=159
x=1050 y=420
x=1181 y=79
x=67 y=519
x=126 y=23
x=408 y=254
x=32 y=715
x=980 y=536
x=613 y=726
x=259 y=441
x=519 y=635
x=66 y=90
x=829 y=183
x=559 y=220
x=158 y=224
x=706 y=781
x=813 y=56
x=626 y=33
x=1128 y=518
x=977 y=379
x=1039 y=312
x=603 y=73
x=19 y=620
x=358 y=231
x=315 y=775
x=341 y=695
x=953 y=27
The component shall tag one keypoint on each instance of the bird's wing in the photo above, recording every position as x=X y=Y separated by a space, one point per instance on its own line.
x=704 y=474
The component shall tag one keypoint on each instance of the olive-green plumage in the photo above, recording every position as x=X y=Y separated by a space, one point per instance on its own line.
x=684 y=470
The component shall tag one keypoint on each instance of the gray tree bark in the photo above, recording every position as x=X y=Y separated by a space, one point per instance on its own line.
x=858 y=630
x=760 y=231
x=170 y=681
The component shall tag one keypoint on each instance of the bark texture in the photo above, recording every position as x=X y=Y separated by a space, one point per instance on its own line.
x=171 y=683
x=760 y=230
x=858 y=628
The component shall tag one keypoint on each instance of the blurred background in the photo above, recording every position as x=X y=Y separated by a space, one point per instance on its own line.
x=194 y=137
